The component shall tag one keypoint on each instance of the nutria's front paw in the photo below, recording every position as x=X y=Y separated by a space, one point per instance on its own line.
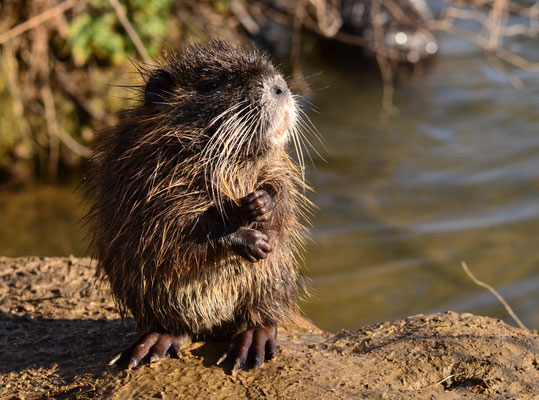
x=151 y=347
x=251 y=244
x=257 y=206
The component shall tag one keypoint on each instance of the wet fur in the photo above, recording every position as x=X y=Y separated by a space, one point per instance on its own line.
x=164 y=183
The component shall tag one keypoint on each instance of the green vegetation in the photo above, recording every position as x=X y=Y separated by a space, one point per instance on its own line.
x=99 y=33
x=60 y=79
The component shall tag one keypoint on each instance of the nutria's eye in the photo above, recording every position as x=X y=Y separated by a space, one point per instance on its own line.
x=212 y=85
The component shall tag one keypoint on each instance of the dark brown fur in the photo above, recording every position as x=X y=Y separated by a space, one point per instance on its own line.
x=162 y=203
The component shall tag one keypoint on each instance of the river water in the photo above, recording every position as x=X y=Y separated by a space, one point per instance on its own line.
x=453 y=177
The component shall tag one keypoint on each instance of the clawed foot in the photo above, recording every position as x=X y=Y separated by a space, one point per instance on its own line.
x=252 y=346
x=152 y=347
x=257 y=206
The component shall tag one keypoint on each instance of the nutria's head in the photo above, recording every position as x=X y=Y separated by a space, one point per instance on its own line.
x=221 y=100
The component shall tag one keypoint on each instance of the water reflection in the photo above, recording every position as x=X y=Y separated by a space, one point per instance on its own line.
x=42 y=220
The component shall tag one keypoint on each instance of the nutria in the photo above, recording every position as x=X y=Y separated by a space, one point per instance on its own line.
x=197 y=211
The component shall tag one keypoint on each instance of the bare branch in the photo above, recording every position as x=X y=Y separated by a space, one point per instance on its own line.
x=37 y=20
x=130 y=31
x=495 y=293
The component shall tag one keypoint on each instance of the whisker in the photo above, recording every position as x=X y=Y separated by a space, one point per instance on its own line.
x=311 y=128
x=231 y=137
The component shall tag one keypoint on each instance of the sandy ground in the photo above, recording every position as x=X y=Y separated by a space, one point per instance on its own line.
x=58 y=331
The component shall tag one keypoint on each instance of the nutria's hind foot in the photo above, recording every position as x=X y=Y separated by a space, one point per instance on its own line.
x=151 y=347
x=252 y=346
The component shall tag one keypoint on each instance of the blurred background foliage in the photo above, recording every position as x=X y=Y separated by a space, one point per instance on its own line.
x=98 y=32
x=59 y=73
x=61 y=62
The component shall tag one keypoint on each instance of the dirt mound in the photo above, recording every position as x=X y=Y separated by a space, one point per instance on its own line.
x=58 y=332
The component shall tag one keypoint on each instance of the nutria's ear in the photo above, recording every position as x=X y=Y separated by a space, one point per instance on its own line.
x=159 y=87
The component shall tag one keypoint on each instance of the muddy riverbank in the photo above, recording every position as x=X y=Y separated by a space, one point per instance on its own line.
x=58 y=332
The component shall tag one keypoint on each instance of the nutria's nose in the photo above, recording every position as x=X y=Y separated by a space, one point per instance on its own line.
x=279 y=89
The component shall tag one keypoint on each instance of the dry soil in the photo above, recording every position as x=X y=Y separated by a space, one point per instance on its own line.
x=58 y=331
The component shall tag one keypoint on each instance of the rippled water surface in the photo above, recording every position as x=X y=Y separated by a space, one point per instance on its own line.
x=454 y=176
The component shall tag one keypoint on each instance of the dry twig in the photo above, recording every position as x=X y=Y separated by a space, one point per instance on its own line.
x=295 y=52
x=492 y=16
x=439 y=382
x=495 y=293
x=52 y=127
x=37 y=20
x=388 y=108
x=130 y=31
